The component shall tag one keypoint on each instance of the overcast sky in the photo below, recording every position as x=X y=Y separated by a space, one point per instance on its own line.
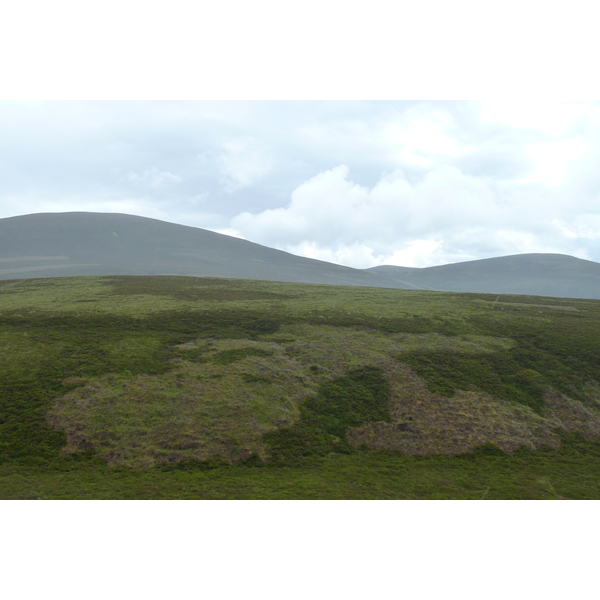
x=355 y=183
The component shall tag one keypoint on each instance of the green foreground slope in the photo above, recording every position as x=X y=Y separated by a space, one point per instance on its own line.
x=169 y=387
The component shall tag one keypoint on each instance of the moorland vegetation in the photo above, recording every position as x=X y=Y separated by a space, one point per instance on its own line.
x=185 y=387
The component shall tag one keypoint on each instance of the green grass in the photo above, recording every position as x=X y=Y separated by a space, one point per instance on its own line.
x=356 y=399
x=293 y=390
x=571 y=473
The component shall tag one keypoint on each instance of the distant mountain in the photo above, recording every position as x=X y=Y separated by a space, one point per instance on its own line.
x=82 y=243
x=532 y=274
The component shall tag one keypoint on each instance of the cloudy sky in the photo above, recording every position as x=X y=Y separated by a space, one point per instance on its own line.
x=234 y=119
x=356 y=183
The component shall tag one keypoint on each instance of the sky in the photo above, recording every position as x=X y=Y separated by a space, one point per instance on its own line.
x=334 y=131
x=358 y=183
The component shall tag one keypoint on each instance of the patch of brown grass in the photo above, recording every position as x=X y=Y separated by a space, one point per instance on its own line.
x=204 y=408
x=429 y=423
x=195 y=411
x=572 y=415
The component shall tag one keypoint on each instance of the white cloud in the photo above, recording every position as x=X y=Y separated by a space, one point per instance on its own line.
x=553 y=118
x=422 y=136
x=228 y=231
x=242 y=162
x=418 y=253
x=552 y=159
x=198 y=199
x=153 y=178
x=582 y=227
x=358 y=255
x=447 y=216
x=329 y=207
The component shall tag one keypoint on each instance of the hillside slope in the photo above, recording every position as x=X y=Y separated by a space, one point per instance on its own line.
x=78 y=243
x=187 y=387
x=155 y=370
x=531 y=274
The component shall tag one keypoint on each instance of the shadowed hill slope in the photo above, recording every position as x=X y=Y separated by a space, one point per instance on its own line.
x=79 y=243
x=532 y=274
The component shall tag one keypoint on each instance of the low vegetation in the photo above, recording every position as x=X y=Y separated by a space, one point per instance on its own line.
x=179 y=387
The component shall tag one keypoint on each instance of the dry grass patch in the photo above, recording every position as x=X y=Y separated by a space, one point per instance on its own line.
x=221 y=395
x=428 y=423
x=340 y=348
x=572 y=415
x=196 y=411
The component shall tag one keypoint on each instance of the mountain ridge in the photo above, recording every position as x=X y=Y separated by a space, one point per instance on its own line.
x=537 y=274
x=82 y=243
x=86 y=243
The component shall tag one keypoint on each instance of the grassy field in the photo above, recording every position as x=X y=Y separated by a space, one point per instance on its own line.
x=179 y=387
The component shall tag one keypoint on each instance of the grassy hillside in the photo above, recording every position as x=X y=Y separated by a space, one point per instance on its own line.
x=142 y=387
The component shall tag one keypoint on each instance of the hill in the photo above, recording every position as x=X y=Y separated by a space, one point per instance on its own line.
x=531 y=274
x=79 y=243
x=145 y=386
x=73 y=244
